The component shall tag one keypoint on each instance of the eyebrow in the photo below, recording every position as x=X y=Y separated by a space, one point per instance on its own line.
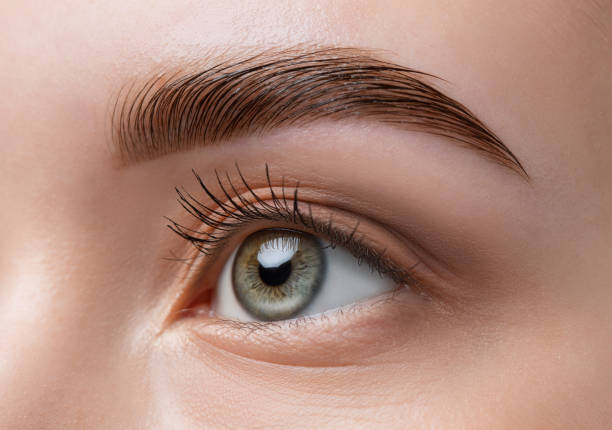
x=178 y=110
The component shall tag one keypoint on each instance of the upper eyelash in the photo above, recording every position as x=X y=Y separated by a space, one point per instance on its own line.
x=237 y=211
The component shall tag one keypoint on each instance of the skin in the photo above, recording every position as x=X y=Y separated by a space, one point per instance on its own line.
x=519 y=334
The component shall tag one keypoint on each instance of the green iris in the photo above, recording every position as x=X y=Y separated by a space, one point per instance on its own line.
x=278 y=272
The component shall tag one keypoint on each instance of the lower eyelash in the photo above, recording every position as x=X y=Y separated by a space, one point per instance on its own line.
x=237 y=211
x=249 y=327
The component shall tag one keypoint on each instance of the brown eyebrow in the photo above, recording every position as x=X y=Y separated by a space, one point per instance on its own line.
x=176 y=111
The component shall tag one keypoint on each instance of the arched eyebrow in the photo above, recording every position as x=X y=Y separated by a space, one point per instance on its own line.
x=176 y=111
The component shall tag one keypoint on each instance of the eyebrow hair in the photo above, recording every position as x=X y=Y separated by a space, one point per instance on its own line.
x=176 y=111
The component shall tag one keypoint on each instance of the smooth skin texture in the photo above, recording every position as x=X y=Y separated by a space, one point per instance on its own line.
x=520 y=332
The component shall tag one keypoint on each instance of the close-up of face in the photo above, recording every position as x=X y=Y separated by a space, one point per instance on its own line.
x=306 y=214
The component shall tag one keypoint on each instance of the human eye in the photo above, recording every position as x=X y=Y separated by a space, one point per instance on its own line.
x=277 y=256
x=279 y=273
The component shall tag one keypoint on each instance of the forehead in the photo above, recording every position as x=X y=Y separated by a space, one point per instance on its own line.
x=128 y=37
x=75 y=55
x=99 y=40
x=413 y=28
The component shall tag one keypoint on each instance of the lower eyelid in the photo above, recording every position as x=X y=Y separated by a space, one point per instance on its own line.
x=334 y=338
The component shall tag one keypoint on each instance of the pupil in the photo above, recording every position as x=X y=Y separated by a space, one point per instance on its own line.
x=275 y=275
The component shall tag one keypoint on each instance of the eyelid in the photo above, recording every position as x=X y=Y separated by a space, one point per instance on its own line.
x=314 y=341
x=204 y=269
x=238 y=213
x=237 y=210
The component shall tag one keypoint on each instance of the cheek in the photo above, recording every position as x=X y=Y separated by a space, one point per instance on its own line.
x=510 y=367
x=538 y=372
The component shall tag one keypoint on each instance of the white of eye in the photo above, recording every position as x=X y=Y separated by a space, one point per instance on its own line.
x=345 y=282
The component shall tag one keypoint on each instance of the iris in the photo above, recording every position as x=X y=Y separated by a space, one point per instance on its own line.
x=278 y=272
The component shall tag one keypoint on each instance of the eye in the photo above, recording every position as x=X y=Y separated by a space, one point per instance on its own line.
x=264 y=255
x=278 y=274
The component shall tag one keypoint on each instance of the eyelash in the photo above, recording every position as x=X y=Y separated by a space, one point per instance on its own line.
x=237 y=212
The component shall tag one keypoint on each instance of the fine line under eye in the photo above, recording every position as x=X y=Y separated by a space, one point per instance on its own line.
x=232 y=211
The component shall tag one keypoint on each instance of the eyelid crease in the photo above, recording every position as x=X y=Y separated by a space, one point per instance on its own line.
x=179 y=110
x=235 y=213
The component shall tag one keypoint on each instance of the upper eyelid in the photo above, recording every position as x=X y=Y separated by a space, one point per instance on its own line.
x=178 y=111
x=244 y=210
x=208 y=243
x=280 y=210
